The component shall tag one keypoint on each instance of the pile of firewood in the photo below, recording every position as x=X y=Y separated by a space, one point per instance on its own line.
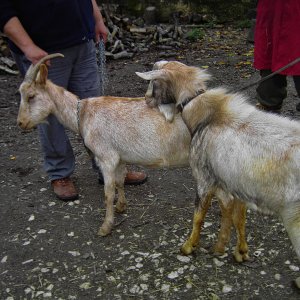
x=7 y=65
x=127 y=37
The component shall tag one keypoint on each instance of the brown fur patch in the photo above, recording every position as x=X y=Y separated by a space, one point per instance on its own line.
x=208 y=108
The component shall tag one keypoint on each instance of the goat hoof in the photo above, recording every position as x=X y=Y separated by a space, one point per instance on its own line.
x=104 y=230
x=240 y=256
x=297 y=282
x=218 y=251
x=187 y=248
x=121 y=207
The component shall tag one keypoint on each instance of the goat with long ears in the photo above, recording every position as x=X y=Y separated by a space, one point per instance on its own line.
x=237 y=151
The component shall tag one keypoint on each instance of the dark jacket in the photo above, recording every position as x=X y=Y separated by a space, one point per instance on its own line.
x=51 y=24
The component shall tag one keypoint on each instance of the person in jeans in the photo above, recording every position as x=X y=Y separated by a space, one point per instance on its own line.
x=276 y=43
x=36 y=28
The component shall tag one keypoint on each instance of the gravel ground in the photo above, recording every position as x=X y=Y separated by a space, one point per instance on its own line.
x=50 y=249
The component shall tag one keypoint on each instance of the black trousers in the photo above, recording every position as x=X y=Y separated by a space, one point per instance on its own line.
x=273 y=91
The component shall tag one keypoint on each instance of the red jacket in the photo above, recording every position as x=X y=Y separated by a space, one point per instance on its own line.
x=277 y=35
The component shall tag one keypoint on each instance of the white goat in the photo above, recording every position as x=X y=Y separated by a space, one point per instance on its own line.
x=117 y=130
x=237 y=151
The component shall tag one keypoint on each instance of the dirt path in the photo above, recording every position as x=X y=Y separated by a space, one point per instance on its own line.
x=50 y=249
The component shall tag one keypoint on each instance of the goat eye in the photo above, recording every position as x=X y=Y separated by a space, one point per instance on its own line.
x=30 y=97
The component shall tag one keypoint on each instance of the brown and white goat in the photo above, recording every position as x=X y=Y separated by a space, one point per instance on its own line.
x=117 y=130
x=237 y=151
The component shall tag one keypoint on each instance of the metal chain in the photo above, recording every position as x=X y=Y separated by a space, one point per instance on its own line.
x=78 y=115
x=101 y=61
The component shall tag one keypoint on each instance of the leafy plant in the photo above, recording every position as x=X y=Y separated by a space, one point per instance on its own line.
x=195 y=34
x=244 y=24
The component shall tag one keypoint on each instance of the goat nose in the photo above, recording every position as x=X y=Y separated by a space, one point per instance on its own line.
x=20 y=123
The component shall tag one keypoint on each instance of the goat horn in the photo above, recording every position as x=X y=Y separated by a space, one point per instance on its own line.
x=33 y=69
x=155 y=74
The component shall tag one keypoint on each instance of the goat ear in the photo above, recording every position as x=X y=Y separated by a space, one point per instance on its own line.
x=158 y=65
x=168 y=110
x=155 y=74
x=42 y=75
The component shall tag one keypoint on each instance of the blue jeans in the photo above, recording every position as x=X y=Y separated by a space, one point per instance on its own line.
x=78 y=73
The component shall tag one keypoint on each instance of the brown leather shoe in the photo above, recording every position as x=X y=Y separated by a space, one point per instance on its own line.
x=64 y=189
x=131 y=178
x=135 y=178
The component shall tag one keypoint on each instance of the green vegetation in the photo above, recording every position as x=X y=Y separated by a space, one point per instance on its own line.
x=243 y=24
x=195 y=34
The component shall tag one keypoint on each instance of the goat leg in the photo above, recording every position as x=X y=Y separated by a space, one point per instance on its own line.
x=291 y=221
x=109 y=190
x=226 y=225
x=200 y=212
x=239 y=221
x=121 y=204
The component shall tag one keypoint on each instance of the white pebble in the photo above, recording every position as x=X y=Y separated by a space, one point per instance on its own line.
x=47 y=295
x=31 y=218
x=277 y=276
x=4 y=259
x=144 y=286
x=85 y=285
x=173 y=275
x=145 y=277
x=138 y=259
x=74 y=253
x=217 y=262
x=184 y=259
x=165 y=288
x=45 y=270
x=27 y=261
x=155 y=255
x=226 y=289
x=135 y=289
x=294 y=268
x=207 y=224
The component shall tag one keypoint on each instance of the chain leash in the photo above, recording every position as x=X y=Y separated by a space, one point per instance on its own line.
x=101 y=61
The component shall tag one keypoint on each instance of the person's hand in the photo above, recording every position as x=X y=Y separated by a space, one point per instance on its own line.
x=34 y=53
x=100 y=31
